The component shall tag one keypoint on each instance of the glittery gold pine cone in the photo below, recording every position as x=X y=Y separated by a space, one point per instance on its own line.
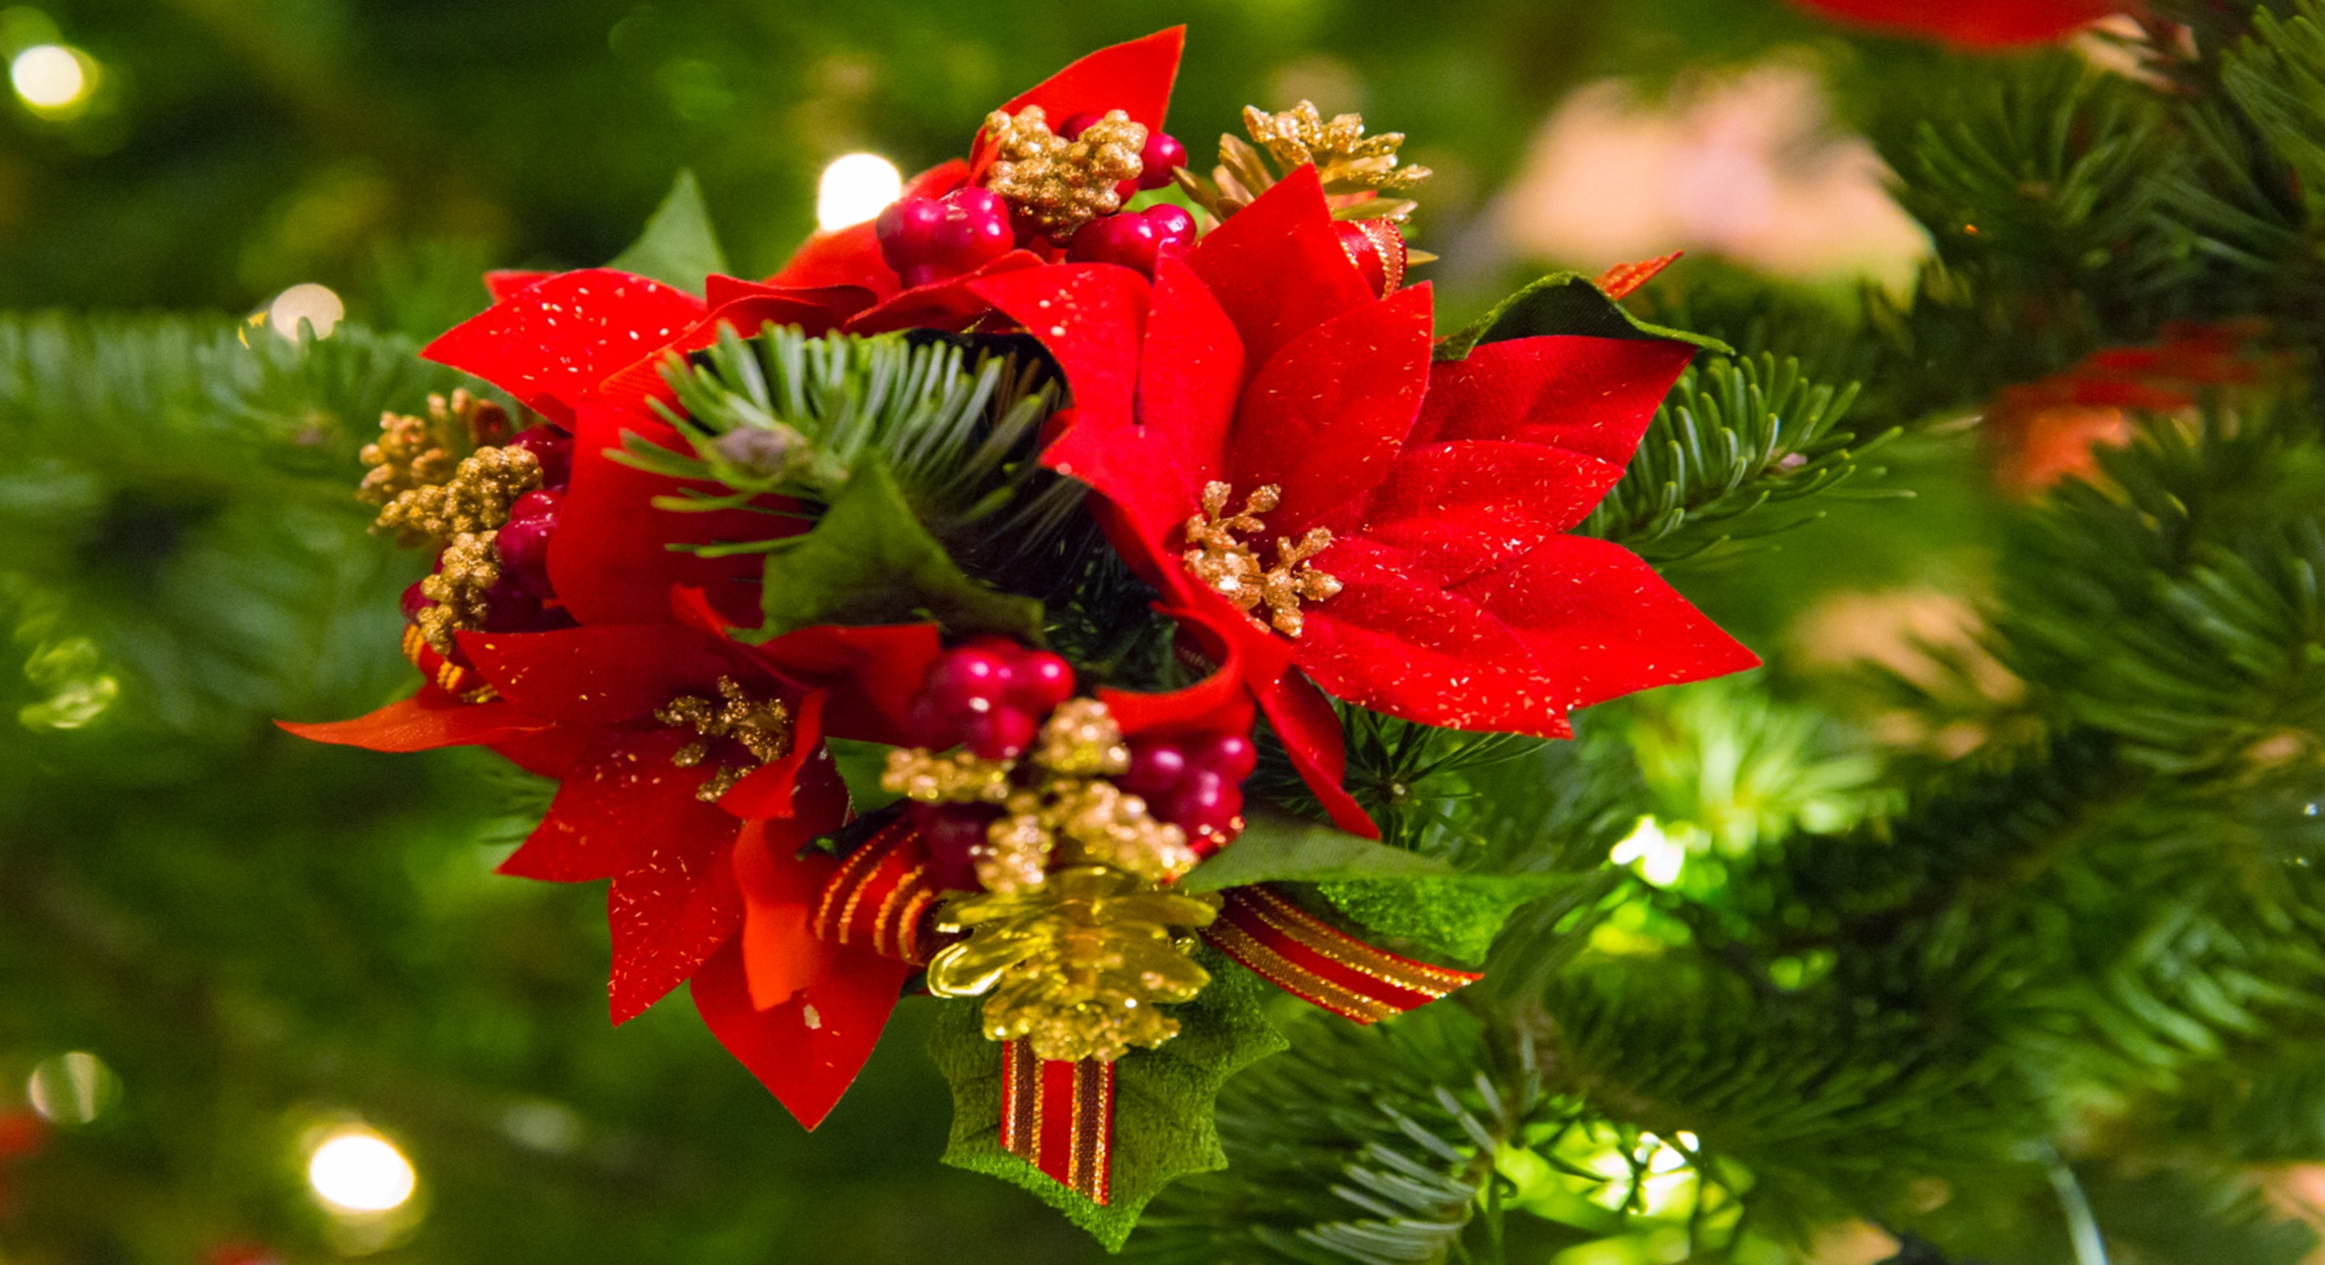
x=1054 y=185
x=1078 y=968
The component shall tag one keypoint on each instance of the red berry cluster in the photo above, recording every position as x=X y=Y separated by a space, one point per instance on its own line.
x=1193 y=781
x=1134 y=239
x=522 y=600
x=929 y=239
x=990 y=696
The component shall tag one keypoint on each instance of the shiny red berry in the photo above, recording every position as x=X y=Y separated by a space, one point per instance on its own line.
x=1162 y=155
x=1127 y=239
x=1204 y=801
x=414 y=601
x=1174 y=226
x=1000 y=734
x=930 y=239
x=1157 y=765
x=552 y=448
x=951 y=833
x=967 y=681
x=541 y=504
x=903 y=230
x=1039 y=681
x=523 y=548
x=1231 y=756
x=510 y=606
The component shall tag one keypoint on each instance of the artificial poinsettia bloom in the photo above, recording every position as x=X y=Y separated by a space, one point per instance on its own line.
x=1259 y=424
x=1974 y=23
x=1133 y=77
x=691 y=774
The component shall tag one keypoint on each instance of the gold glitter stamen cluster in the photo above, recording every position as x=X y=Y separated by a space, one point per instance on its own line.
x=1355 y=169
x=762 y=726
x=1218 y=555
x=1055 y=185
x=1057 y=806
x=465 y=514
x=417 y=452
x=1079 y=966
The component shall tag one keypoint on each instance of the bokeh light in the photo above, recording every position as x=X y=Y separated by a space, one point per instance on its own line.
x=72 y=1089
x=318 y=305
x=358 y=1171
x=51 y=78
x=854 y=188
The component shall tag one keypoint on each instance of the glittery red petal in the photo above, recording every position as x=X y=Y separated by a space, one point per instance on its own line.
x=1277 y=266
x=1310 y=731
x=433 y=719
x=1462 y=507
x=781 y=953
x=1091 y=318
x=606 y=674
x=1324 y=417
x=1134 y=77
x=620 y=797
x=670 y=914
x=1593 y=396
x=872 y=674
x=951 y=304
x=501 y=283
x=549 y=343
x=808 y=1050
x=610 y=557
x=803 y=786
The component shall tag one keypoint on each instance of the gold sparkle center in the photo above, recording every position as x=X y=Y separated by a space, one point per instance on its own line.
x=761 y=726
x=1220 y=556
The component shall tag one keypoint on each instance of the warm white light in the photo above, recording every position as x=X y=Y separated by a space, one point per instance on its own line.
x=855 y=188
x=315 y=304
x=71 y=1088
x=1659 y=857
x=49 y=77
x=356 y=1170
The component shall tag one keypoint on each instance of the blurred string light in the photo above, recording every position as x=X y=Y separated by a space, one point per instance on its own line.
x=355 y=1170
x=1655 y=854
x=855 y=188
x=53 y=80
x=317 y=305
x=72 y=1089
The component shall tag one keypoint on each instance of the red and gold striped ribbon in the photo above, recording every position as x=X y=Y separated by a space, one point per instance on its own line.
x=1060 y=1118
x=881 y=897
x=1321 y=964
x=448 y=676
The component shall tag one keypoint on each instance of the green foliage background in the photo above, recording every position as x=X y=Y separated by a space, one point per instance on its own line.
x=2055 y=997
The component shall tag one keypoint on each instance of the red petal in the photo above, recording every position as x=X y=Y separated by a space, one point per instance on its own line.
x=1324 y=417
x=550 y=753
x=1463 y=507
x=1310 y=731
x=606 y=674
x=804 y=785
x=781 y=954
x=1220 y=701
x=610 y=558
x=621 y=799
x=433 y=719
x=674 y=911
x=1624 y=278
x=1277 y=266
x=1593 y=396
x=872 y=675
x=1600 y=623
x=1090 y=317
x=808 y=1050
x=501 y=283
x=1133 y=77
x=549 y=343
x=950 y=304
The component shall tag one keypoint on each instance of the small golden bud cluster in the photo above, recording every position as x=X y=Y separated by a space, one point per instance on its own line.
x=1079 y=967
x=1057 y=806
x=1219 y=556
x=1343 y=154
x=467 y=569
x=417 y=452
x=475 y=499
x=761 y=726
x=1055 y=185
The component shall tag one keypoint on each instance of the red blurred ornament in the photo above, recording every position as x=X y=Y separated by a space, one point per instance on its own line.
x=1973 y=23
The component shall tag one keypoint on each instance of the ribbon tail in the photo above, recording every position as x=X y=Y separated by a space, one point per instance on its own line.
x=881 y=898
x=1322 y=965
x=1059 y=1117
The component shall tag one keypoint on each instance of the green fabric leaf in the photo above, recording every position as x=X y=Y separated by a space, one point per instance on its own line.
x=1561 y=303
x=870 y=561
x=1279 y=848
x=1164 y=1100
x=1451 y=920
x=679 y=247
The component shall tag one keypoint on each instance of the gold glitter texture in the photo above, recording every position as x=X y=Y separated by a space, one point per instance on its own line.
x=1079 y=967
x=761 y=726
x=475 y=499
x=1219 y=556
x=468 y=568
x=1355 y=169
x=417 y=452
x=1054 y=185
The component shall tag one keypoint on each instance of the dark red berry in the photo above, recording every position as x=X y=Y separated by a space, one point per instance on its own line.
x=1000 y=734
x=1156 y=766
x=1162 y=155
x=509 y=606
x=1039 y=681
x=552 y=448
x=1076 y=124
x=951 y=833
x=523 y=548
x=903 y=230
x=415 y=601
x=542 y=504
x=1203 y=802
x=930 y=239
x=967 y=681
x=1127 y=239
x=1231 y=756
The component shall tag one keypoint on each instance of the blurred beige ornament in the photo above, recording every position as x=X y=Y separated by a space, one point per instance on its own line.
x=1746 y=165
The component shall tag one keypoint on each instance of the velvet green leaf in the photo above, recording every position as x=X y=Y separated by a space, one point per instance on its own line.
x=679 y=247
x=870 y=561
x=1561 y=303
x=1278 y=848
x=1164 y=1100
x=1452 y=919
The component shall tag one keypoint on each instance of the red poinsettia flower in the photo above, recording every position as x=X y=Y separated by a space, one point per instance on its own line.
x=1448 y=488
x=1134 y=77
x=580 y=704
x=1974 y=23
